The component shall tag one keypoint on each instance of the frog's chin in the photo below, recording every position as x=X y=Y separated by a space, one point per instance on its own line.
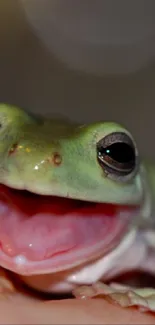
x=47 y=234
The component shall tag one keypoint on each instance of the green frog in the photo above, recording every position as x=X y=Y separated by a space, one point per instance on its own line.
x=76 y=206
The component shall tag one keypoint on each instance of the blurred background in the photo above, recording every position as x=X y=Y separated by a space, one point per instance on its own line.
x=89 y=60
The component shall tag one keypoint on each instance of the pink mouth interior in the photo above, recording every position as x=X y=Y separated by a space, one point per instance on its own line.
x=40 y=227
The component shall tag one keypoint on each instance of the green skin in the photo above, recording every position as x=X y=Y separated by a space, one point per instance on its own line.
x=39 y=140
x=43 y=156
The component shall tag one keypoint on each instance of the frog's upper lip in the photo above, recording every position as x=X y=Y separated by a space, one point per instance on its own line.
x=48 y=234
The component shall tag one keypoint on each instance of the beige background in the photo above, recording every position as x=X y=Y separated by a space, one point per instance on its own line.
x=32 y=78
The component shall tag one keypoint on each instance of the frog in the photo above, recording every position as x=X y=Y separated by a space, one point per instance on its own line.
x=76 y=207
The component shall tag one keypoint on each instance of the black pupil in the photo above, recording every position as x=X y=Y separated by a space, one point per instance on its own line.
x=120 y=152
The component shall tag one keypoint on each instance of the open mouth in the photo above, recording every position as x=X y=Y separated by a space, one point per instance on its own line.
x=41 y=234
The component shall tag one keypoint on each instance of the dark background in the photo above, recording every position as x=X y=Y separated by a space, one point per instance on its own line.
x=32 y=78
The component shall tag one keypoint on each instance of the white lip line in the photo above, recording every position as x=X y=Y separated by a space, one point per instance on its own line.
x=22 y=266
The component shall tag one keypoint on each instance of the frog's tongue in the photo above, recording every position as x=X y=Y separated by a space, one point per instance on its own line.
x=41 y=227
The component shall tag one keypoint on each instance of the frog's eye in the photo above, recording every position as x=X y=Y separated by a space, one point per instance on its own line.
x=117 y=154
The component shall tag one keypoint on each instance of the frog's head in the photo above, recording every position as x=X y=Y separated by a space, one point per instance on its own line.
x=68 y=193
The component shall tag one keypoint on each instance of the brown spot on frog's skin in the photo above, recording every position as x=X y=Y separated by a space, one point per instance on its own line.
x=55 y=159
x=13 y=149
